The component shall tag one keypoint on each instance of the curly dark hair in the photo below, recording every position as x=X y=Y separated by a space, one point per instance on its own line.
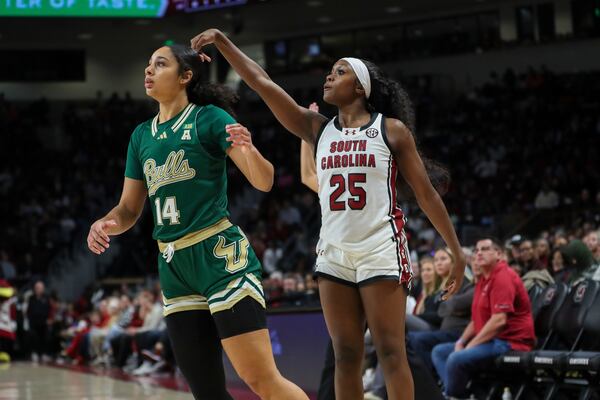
x=199 y=92
x=389 y=98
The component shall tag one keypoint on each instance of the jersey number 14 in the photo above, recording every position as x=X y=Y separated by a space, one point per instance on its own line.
x=168 y=211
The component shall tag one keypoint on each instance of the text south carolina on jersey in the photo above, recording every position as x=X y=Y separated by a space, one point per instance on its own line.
x=348 y=160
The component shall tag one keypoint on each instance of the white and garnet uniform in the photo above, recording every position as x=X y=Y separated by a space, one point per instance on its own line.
x=362 y=237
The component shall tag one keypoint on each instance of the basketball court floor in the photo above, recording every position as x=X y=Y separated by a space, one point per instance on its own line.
x=27 y=381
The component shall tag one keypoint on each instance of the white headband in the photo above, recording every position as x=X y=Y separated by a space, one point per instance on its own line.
x=362 y=73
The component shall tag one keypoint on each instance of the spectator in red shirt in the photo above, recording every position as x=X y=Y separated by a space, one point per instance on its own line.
x=500 y=321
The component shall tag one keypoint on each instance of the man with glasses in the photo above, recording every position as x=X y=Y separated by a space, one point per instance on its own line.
x=500 y=321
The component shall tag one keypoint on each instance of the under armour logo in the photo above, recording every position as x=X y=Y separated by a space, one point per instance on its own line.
x=350 y=132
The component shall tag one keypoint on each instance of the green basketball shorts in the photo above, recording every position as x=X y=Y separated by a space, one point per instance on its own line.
x=214 y=273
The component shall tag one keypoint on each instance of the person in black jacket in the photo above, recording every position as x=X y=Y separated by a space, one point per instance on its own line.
x=38 y=315
x=426 y=317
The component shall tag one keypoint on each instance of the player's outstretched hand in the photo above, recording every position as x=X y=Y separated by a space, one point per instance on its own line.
x=98 y=240
x=314 y=107
x=457 y=274
x=205 y=38
x=239 y=136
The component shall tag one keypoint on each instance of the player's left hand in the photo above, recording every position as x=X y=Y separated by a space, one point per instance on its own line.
x=457 y=274
x=239 y=136
x=203 y=39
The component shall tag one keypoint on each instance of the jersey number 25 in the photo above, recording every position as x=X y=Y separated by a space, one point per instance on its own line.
x=358 y=196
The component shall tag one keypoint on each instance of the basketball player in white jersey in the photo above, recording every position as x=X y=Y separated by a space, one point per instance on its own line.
x=363 y=261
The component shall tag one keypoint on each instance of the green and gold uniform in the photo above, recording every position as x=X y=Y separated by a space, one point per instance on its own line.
x=206 y=262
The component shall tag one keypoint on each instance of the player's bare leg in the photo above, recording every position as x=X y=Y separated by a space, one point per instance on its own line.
x=345 y=320
x=385 y=306
x=252 y=357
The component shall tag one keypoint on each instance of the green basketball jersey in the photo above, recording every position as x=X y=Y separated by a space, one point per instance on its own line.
x=183 y=163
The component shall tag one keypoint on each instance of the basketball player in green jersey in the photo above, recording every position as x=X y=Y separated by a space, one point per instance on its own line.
x=209 y=274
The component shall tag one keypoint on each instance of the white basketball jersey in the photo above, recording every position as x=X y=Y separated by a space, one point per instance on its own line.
x=357 y=186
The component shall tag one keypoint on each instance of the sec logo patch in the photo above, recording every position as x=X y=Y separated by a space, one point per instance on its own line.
x=372 y=132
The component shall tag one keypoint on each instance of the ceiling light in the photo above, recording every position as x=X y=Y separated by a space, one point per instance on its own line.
x=393 y=9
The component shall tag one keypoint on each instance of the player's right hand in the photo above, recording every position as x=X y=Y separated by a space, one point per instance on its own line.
x=205 y=38
x=98 y=240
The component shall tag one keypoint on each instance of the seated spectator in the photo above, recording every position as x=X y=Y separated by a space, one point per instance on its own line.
x=430 y=283
x=124 y=319
x=500 y=321
x=592 y=242
x=98 y=334
x=540 y=277
x=145 y=336
x=159 y=358
x=513 y=254
x=417 y=284
x=560 y=273
x=433 y=275
x=529 y=260
x=79 y=349
x=579 y=261
x=456 y=315
x=542 y=252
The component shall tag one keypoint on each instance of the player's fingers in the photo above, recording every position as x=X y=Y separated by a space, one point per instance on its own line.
x=232 y=126
x=95 y=248
x=101 y=236
x=98 y=239
x=239 y=142
x=196 y=43
x=102 y=233
x=241 y=130
x=234 y=129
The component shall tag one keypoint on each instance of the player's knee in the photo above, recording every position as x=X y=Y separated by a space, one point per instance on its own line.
x=391 y=353
x=347 y=356
x=259 y=380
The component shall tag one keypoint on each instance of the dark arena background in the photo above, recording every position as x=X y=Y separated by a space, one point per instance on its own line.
x=507 y=98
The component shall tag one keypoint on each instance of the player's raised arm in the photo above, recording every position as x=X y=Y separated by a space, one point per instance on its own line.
x=308 y=168
x=296 y=119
